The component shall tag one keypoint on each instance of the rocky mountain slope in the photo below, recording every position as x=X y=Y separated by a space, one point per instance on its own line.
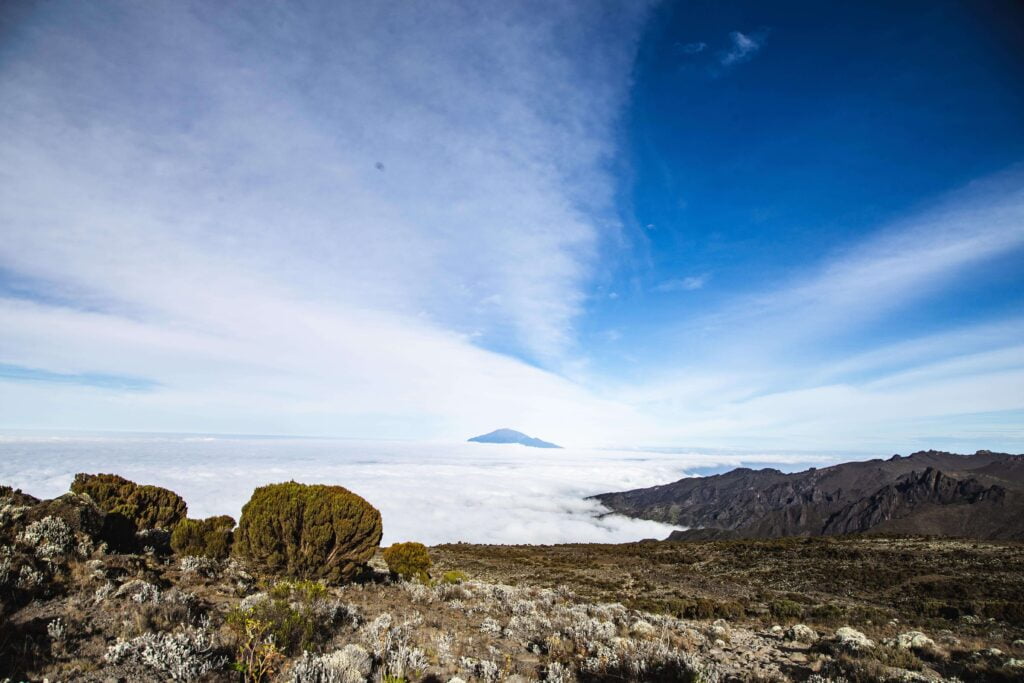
x=928 y=492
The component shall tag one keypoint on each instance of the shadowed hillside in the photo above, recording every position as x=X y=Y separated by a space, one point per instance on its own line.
x=930 y=492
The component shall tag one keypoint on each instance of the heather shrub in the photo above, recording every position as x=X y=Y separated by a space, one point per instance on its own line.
x=199 y=566
x=50 y=537
x=294 y=615
x=185 y=655
x=453 y=578
x=13 y=496
x=408 y=560
x=309 y=532
x=130 y=506
x=210 y=537
x=351 y=664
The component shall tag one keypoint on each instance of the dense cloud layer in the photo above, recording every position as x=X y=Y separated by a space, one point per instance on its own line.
x=432 y=493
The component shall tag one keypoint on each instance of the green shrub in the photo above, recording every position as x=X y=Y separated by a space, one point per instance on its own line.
x=454 y=577
x=785 y=609
x=147 y=507
x=408 y=560
x=309 y=532
x=210 y=537
x=295 y=616
x=706 y=608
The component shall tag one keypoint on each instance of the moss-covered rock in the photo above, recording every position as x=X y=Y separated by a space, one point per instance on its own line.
x=308 y=532
x=210 y=537
x=408 y=560
x=147 y=507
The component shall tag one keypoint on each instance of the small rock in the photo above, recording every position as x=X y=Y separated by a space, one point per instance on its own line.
x=914 y=640
x=1018 y=643
x=1014 y=664
x=853 y=640
x=802 y=633
x=776 y=629
x=719 y=630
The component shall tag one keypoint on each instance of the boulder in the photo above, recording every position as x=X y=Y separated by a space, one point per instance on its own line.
x=852 y=640
x=801 y=633
x=914 y=640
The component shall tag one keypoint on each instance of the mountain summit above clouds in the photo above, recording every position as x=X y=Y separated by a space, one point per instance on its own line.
x=929 y=492
x=512 y=436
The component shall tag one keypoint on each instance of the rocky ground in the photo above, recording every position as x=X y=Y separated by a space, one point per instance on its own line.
x=817 y=610
x=150 y=618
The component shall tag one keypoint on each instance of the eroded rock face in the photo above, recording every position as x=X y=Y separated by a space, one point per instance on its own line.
x=310 y=532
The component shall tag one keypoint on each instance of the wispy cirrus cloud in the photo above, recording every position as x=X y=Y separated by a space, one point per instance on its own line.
x=316 y=215
x=742 y=47
x=685 y=284
x=788 y=365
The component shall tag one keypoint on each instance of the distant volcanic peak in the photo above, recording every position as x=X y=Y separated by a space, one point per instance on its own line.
x=512 y=436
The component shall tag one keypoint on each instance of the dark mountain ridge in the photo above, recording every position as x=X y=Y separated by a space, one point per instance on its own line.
x=929 y=492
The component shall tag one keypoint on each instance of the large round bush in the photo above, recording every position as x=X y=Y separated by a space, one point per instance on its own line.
x=147 y=507
x=308 y=532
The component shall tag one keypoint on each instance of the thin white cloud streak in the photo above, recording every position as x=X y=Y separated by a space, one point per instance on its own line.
x=686 y=284
x=901 y=264
x=764 y=368
x=743 y=47
x=195 y=191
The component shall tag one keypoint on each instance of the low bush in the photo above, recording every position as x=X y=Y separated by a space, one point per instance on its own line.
x=308 y=532
x=257 y=657
x=785 y=609
x=185 y=655
x=454 y=577
x=408 y=560
x=294 y=615
x=210 y=537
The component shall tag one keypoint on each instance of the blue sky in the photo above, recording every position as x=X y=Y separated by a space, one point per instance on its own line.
x=731 y=224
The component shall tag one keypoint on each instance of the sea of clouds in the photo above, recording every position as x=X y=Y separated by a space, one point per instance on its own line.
x=430 y=492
